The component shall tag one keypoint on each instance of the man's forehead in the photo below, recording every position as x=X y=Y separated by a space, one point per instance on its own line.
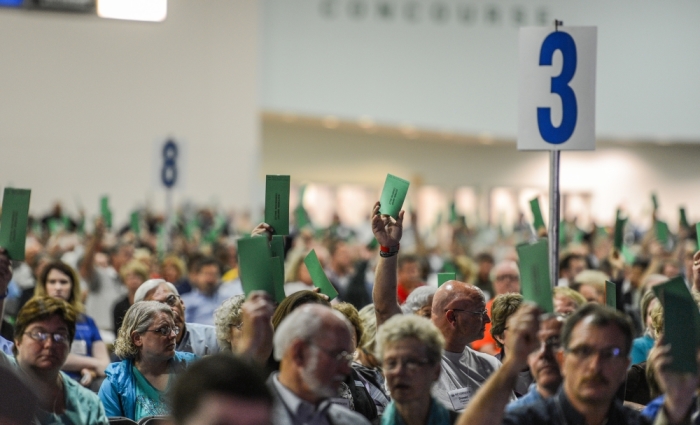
x=586 y=331
x=160 y=293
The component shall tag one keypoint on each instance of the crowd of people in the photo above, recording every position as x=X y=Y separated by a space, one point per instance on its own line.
x=140 y=325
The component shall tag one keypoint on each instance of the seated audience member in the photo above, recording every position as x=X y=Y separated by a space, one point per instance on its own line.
x=136 y=387
x=420 y=301
x=566 y=300
x=591 y=284
x=44 y=330
x=409 y=276
x=228 y=323
x=411 y=351
x=642 y=345
x=503 y=307
x=18 y=403
x=88 y=357
x=193 y=337
x=359 y=396
x=569 y=266
x=208 y=292
x=506 y=280
x=219 y=390
x=459 y=312
x=134 y=273
x=314 y=345
x=596 y=342
x=483 y=281
x=295 y=301
x=173 y=269
x=366 y=362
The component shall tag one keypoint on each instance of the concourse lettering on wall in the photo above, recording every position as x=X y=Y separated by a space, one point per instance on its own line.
x=435 y=12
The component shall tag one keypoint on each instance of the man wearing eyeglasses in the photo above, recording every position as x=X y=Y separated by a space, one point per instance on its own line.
x=314 y=346
x=458 y=311
x=193 y=337
x=596 y=341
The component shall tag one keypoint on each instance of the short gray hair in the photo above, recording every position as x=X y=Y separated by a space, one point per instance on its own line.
x=401 y=327
x=302 y=324
x=150 y=285
x=418 y=299
x=138 y=318
x=226 y=316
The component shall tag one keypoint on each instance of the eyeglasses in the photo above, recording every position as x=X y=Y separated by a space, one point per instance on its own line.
x=171 y=300
x=411 y=365
x=586 y=352
x=511 y=277
x=42 y=336
x=477 y=313
x=552 y=343
x=165 y=330
x=342 y=357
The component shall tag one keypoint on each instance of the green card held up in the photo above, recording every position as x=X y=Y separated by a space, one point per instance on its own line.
x=662 y=232
x=13 y=227
x=277 y=203
x=681 y=323
x=610 y=294
x=277 y=267
x=444 y=277
x=105 y=212
x=619 y=231
x=534 y=274
x=655 y=201
x=393 y=195
x=697 y=233
x=255 y=265
x=536 y=214
x=135 y=223
x=684 y=218
x=318 y=275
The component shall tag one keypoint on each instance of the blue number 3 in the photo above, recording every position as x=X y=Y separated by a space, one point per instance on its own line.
x=560 y=85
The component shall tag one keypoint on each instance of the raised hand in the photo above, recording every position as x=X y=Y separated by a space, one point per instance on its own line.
x=263 y=229
x=679 y=387
x=522 y=339
x=387 y=230
x=256 y=315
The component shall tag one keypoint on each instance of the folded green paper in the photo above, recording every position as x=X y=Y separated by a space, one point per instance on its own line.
x=536 y=214
x=662 y=232
x=13 y=227
x=610 y=294
x=681 y=324
x=277 y=203
x=697 y=233
x=655 y=201
x=105 y=212
x=135 y=223
x=619 y=231
x=318 y=275
x=534 y=274
x=254 y=263
x=684 y=218
x=393 y=195
x=444 y=277
x=277 y=268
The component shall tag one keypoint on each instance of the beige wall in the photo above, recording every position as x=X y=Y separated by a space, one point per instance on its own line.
x=83 y=99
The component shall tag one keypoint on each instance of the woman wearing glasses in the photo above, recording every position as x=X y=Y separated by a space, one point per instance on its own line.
x=138 y=385
x=88 y=357
x=44 y=330
x=410 y=348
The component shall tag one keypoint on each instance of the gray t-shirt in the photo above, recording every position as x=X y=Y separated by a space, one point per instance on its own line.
x=462 y=374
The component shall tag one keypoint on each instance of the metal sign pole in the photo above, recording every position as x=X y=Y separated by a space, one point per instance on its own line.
x=554 y=216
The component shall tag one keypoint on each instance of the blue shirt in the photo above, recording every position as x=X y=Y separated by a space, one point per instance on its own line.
x=6 y=346
x=641 y=347
x=199 y=308
x=531 y=397
x=86 y=334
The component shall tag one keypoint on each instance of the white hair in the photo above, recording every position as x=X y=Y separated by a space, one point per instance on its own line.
x=418 y=299
x=150 y=285
x=302 y=324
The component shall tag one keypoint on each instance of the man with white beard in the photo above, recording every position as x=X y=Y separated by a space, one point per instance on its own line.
x=314 y=347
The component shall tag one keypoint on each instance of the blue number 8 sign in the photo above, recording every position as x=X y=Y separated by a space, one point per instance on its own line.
x=560 y=85
x=168 y=173
x=546 y=93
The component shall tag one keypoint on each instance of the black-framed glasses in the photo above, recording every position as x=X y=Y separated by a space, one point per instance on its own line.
x=476 y=313
x=341 y=357
x=411 y=364
x=171 y=300
x=42 y=336
x=165 y=330
x=586 y=352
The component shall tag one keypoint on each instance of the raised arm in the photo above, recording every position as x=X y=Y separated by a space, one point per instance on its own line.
x=490 y=401
x=388 y=233
x=87 y=266
x=257 y=332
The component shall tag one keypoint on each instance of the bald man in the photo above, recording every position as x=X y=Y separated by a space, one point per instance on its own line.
x=458 y=311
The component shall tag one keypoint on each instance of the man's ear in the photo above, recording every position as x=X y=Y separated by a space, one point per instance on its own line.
x=298 y=352
x=500 y=339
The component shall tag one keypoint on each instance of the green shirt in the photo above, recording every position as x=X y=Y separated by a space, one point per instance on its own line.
x=149 y=401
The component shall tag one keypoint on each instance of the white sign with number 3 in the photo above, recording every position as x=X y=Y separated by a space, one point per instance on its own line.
x=556 y=88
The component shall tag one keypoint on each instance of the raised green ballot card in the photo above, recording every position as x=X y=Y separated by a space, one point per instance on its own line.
x=318 y=276
x=662 y=232
x=13 y=227
x=619 y=232
x=610 y=294
x=277 y=246
x=277 y=203
x=655 y=201
x=393 y=195
x=105 y=212
x=681 y=323
x=683 y=218
x=697 y=233
x=444 y=277
x=534 y=274
x=255 y=265
x=536 y=214
x=135 y=223
x=277 y=266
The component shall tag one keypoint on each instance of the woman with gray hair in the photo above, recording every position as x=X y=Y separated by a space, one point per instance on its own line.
x=228 y=322
x=420 y=301
x=410 y=348
x=136 y=387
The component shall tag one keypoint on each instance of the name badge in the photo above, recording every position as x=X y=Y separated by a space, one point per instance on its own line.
x=341 y=402
x=460 y=398
x=79 y=347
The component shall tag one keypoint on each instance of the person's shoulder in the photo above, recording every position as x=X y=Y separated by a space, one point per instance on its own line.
x=629 y=416
x=536 y=412
x=81 y=395
x=339 y=415
x=482 y=358
x=183 y=359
